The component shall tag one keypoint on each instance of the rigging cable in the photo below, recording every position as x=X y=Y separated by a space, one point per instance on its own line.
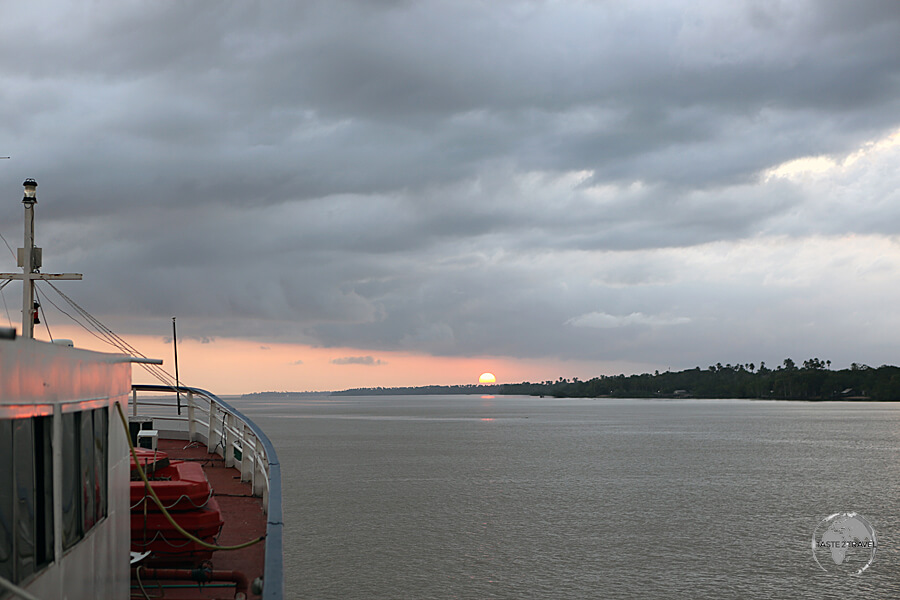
x=3 y=285
x=113 y=339
x=3 y=296
x=110 y=337
x=56 y=306
x=8 y=246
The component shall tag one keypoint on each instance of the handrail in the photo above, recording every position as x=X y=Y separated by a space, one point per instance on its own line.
x=273 y=573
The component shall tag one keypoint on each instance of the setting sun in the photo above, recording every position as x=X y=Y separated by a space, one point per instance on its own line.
x=487 y=378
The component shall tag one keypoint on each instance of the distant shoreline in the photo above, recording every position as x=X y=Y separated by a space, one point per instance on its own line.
x=406 y=392
x=812 y=381
x=427 y=390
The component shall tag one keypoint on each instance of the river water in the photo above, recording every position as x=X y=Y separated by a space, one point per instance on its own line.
x=521 y=497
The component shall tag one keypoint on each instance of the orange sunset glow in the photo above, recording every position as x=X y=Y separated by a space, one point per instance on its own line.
x=230 y=366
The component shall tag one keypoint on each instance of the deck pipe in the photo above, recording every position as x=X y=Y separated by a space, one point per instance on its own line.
x=201 y=576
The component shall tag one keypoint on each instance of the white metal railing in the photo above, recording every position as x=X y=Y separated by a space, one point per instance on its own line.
x=198 y=416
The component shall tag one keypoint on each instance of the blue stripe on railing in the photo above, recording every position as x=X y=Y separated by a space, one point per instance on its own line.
x=273 y=574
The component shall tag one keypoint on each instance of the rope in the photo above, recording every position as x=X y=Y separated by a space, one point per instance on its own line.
x=182 y=497
x=141 y=584
x=159 y=536
x=159 y=503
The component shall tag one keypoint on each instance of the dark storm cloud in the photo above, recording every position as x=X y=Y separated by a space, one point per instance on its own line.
x=446 y=177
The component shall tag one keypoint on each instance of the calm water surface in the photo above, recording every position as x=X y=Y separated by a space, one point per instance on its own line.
x=519 y=497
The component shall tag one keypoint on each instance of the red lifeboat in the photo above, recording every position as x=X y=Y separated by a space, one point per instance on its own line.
x=179 y=486
x=152 y=532
x=184 y=491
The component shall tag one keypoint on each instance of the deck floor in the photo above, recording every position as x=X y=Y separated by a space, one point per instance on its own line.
x=244 y=520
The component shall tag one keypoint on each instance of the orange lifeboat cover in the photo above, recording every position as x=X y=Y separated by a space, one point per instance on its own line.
x=180 y=486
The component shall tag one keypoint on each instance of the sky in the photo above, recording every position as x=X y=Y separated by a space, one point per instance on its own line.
x=335 y=194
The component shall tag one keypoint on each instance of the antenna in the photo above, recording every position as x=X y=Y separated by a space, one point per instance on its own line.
x=29 y=259
x=175 y=347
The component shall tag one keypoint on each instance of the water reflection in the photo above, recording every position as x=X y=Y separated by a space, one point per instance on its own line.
x=408 y=497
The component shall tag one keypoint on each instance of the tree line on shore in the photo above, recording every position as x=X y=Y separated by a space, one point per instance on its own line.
x=812 y=380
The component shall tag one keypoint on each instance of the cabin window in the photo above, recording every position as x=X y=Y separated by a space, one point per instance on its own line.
x=88 y=473
x=85 y=463
x=6 y=501
x=43 y=461
x=101 y=461
x=72 y=525
x=26 y=496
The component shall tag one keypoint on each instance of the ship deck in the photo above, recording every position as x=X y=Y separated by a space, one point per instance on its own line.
x=244 y=520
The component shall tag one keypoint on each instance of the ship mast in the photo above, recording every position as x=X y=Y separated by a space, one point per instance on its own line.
x=29 y=258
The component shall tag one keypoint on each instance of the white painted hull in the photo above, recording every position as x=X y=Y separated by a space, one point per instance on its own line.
x=40 y=377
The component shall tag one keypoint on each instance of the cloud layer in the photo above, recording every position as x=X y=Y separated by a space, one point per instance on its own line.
x=669 y=183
